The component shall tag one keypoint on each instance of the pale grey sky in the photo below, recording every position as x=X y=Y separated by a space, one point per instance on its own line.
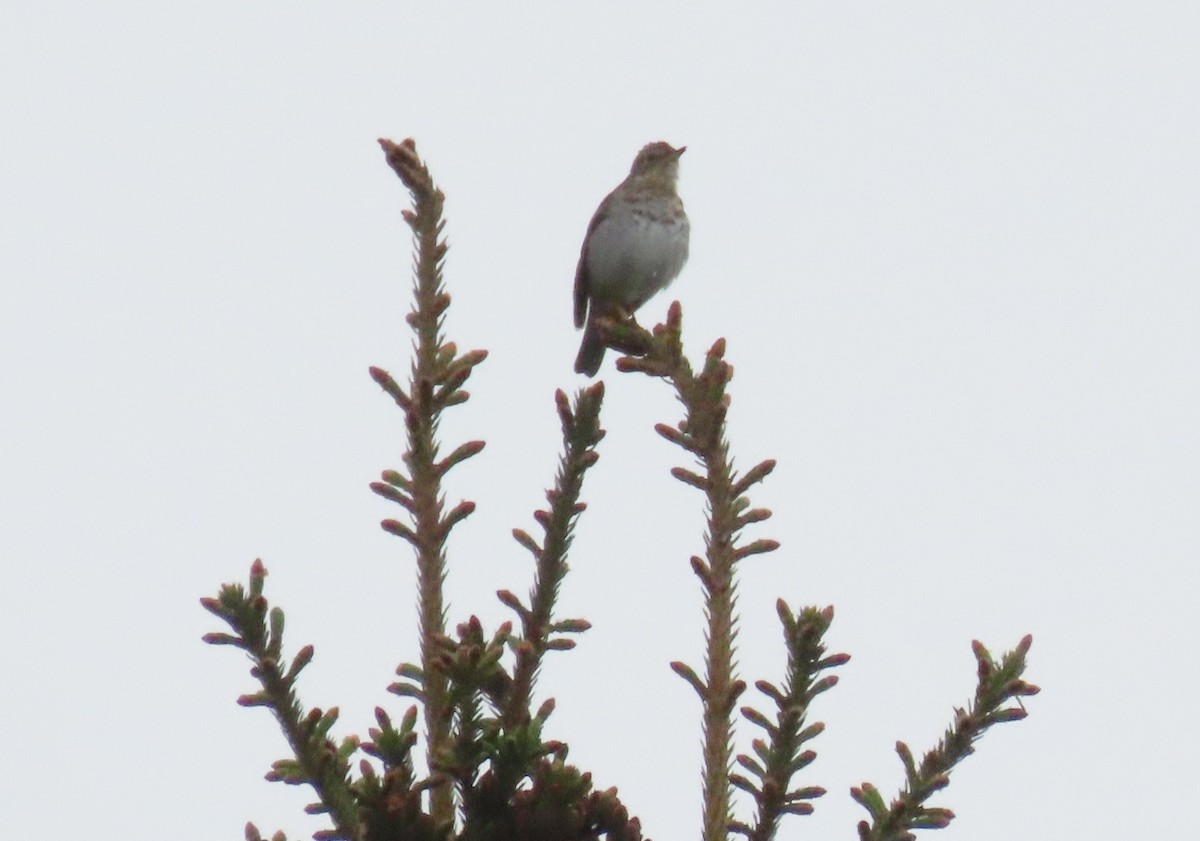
x=952 y=248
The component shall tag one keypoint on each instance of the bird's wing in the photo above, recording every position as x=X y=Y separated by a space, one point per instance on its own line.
x=581 y=288
x=582 y=280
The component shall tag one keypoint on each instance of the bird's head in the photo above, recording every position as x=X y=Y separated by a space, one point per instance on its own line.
x=657 y=161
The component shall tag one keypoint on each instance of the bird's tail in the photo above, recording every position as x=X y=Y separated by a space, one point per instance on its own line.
x=591 y=351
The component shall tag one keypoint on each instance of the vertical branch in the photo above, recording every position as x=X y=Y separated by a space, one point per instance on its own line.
x=702 y=433
x=704 y=424
x=581 y=434
x=779 y=753
x=435 y=383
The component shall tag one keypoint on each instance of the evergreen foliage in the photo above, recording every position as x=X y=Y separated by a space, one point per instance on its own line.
x=492 y=776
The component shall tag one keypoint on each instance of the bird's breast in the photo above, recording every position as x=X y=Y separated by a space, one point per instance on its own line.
x=633 y=255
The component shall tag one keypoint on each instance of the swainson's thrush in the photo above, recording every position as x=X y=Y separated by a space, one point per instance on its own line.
x=635 y=246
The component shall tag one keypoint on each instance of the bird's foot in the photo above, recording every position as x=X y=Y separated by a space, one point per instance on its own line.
x=621 y=332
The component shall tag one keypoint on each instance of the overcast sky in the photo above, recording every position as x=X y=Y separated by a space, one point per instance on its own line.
x=953 y=249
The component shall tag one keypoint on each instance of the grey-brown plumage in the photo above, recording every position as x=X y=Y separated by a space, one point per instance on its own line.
x=635 y=246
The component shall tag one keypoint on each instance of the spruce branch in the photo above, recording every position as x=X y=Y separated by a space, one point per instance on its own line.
x=782 y=754
x=316 y=760
x=435 y=382
x=998 y=683
x=252 y=834
x=472 y=665
x=702 y=434
x=581 y=434
x=390 y=802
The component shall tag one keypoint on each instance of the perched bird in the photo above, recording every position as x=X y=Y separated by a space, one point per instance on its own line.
x=635 y=246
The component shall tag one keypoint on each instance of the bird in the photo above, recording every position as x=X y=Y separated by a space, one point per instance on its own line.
x=636 y=244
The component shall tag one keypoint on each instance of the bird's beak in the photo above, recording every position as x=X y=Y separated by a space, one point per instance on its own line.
x=680 y=151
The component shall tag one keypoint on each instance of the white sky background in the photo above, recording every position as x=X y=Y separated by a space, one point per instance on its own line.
x=953 y=248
